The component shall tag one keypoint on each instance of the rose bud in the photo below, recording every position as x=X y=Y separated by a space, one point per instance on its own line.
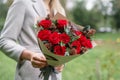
x=53 y=28
x=48 y=45
x=73 y=51
x=85 y=32
x=48 y=17
x=91 y=32
x=84 y=49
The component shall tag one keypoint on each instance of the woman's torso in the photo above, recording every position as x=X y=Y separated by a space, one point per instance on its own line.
x=34 y=11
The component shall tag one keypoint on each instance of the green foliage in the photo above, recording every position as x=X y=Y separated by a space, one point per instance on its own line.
x=116 y=15
x=117 y=19
x=98 y=16
x=3 y=13
x=84 y=17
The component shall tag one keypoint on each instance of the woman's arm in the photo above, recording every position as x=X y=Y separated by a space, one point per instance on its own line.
x=11 y=31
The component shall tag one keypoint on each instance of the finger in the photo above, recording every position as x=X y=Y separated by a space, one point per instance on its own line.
x=38 y=64
x=59 y=68
x=35 y=66
x=40 y=56
x=39 y=59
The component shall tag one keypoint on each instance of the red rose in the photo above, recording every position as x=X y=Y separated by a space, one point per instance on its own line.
x=87 y=43
x=83 y=40
x=44 y=34
x=64 y=38
x=78 y=33
x=45 y=24
x=54 y=38
x=60 y=50
x=61 y=24
x=76 y=44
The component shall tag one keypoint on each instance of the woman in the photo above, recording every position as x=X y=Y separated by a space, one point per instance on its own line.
x=18 y=39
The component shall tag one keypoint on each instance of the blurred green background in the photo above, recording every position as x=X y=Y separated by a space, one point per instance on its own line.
x=100 y=63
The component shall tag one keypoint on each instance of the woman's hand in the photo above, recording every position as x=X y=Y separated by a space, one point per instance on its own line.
x=38 y=60
x=59 y=68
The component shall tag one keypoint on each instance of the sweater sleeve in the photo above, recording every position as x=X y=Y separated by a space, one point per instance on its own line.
x=11 y=30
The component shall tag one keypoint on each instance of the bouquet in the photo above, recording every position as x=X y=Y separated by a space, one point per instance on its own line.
x=60 y=41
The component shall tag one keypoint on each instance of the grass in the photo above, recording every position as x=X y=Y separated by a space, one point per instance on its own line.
x=100 y=63
x=7 y=68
